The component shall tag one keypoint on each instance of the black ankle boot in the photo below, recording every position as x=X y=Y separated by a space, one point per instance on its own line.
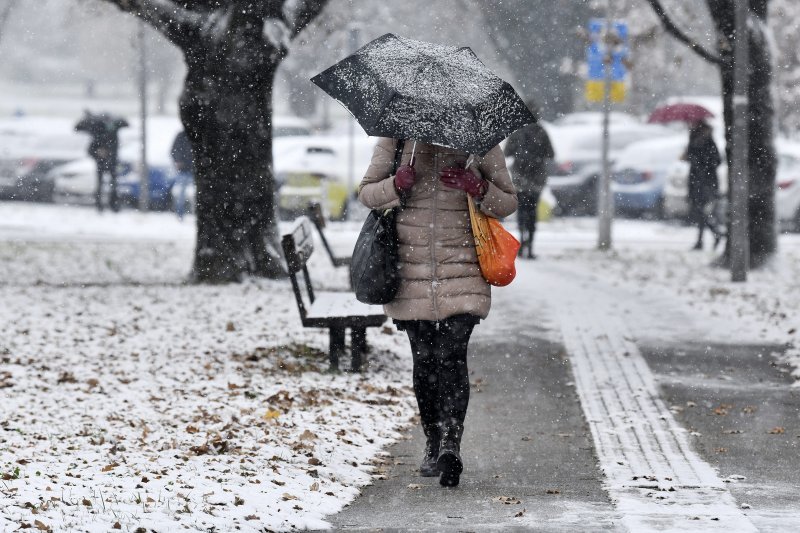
x=433 y=434
x=449 y=462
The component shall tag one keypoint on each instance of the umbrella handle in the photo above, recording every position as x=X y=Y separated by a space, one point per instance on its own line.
x=413 y=151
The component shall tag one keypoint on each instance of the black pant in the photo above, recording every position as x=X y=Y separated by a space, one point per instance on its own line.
x=109 y=168
x=441 y=381
x=528 y=205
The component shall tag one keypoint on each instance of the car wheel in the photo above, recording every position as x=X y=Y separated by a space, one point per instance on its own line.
x=48 y=193
x=589 y=204
x=658 y=212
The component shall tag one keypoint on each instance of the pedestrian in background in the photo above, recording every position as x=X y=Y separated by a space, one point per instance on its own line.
x=531 y=149
x=703 y=157
x=104 y=149
x=184 y=170
x=442 y=294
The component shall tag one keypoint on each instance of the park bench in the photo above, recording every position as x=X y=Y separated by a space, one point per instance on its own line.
x=337 y=311
x=314 y=212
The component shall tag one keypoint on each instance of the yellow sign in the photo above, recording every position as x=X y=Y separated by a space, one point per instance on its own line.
x=595 y=88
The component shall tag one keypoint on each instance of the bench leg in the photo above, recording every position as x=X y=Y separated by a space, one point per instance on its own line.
x=336 y=347
x=358 y=346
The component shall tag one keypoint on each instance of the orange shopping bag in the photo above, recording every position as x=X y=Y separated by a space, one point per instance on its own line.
x=497 y=248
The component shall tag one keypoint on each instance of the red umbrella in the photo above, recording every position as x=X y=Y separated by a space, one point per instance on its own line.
x=679 y=113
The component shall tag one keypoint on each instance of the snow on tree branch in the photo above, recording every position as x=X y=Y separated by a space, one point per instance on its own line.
x=676 y=32
x=176 y=23
x=298 y=13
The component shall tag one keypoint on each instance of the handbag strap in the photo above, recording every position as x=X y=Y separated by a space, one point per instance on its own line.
x=398 y=155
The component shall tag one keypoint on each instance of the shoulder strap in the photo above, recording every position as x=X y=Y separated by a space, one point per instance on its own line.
x=398 y=155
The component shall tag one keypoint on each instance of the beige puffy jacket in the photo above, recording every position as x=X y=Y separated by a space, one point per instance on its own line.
x=438 y=265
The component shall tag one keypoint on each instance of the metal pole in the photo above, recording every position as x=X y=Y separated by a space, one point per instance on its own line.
x=739 y=245
x=144 y=185
x=351 y=133
x=605 y=202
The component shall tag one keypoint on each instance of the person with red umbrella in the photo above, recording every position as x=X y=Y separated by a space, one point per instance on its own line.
x=703 y=157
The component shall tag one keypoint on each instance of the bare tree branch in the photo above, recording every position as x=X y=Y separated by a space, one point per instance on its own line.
x=298 y=13
x=5 y=14
x=676 y=32
x=177 y=23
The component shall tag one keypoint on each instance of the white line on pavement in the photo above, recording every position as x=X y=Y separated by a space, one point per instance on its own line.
x=655 y=479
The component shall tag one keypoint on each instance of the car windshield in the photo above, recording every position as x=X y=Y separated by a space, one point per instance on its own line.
x=651 y=154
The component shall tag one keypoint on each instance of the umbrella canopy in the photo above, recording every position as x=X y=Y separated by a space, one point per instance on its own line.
x=679 y=113
x=406 y=89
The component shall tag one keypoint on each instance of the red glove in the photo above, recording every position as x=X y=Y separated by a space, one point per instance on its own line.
x=404 y=178
x=461 y=178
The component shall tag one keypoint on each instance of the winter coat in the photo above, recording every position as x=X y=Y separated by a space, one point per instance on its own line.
x=704 y=159
x=531 y=149
x=438 y=266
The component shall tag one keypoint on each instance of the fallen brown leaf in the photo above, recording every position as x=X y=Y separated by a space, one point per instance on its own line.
x=507 y=500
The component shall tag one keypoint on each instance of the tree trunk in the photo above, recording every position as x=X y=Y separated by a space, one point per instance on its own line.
x=232 y=50
x=227 y=116
x=762 y=159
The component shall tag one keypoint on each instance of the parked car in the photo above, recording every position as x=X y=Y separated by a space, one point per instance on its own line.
x=640 y=175
x=29 y=148
x=676 y=187
x=787 y=180
x=283 y=126
x=317 y=168
x=76 y=181
x=578 y=162
x=594 y=118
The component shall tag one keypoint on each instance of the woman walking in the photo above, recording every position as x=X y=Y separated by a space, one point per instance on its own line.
x=442 y=295
x=703 y=158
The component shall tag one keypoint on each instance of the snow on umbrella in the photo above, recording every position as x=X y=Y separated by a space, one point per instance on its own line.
x=406 y=89
x=679 y=113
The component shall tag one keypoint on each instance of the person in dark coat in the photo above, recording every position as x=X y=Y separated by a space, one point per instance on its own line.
x=104 y=149
x=531 y=149
x=184 y=165
x=703 y=158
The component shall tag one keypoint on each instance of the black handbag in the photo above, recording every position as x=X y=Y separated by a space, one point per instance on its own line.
x=373 y=269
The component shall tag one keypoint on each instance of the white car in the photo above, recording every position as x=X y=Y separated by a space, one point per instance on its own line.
x=787 y=180
x=76 y=181
x=578 y=159
x=594 y=118
x=639 y=175
x=319 y=168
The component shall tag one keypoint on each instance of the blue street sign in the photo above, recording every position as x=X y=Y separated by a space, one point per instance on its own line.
x=606 y=45
x=597 y=49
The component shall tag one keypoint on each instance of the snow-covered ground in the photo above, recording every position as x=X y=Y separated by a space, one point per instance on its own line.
x=653 y=260
x=129 y=399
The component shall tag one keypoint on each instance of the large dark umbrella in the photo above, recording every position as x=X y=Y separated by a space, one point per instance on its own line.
x=679 y=113
x=406 y=89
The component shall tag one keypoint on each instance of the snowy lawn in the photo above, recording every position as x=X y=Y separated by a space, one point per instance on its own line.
x=653 y=259
x=130 y=400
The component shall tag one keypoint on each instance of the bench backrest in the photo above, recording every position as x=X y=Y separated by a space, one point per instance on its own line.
x=314 y=212
x=298 y=245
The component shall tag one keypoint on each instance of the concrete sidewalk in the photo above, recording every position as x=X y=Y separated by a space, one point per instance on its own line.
x=526 y=443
